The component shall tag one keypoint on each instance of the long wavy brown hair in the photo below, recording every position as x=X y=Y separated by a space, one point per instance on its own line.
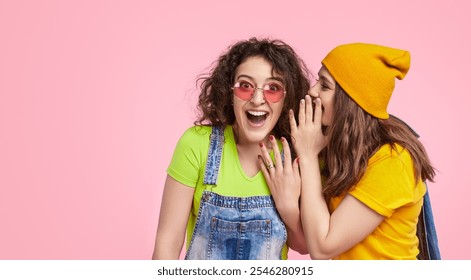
x=215 y=99
x=355 y=136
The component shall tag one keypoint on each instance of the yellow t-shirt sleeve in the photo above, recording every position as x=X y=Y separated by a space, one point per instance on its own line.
x=388 y=182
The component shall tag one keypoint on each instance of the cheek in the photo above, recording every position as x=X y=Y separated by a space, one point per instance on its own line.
x=277 y=108
x=237 y=108
x=328 y=106
x=327 y=112
x=237 y=104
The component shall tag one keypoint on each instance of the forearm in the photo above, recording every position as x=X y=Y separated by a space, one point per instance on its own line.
x=167 y=247
x=296 y=240
x=169 y=239
x=315 y=215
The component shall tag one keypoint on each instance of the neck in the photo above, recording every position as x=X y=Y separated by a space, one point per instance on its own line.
x=243 y=143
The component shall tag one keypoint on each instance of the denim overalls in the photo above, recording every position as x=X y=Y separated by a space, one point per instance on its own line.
x=234 y=228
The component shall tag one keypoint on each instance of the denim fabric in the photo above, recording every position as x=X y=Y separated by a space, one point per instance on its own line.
x=431 y=233
x=234 y=228
x=237 y=228
x=216 y=143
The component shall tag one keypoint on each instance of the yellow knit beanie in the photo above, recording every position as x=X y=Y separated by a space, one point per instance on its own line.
x=367 y=73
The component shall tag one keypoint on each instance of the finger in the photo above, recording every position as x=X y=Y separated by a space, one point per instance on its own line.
x=296 y=167
x=302 y=112
x=276 y=153
x=263 y=167
x=287 y=153
x=267 y=159
x=318 y=112
x=308 y=109
x=292 y=121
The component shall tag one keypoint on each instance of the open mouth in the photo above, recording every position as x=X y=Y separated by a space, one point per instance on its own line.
x=256 y=117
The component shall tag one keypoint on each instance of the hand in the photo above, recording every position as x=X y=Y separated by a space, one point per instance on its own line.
x=283 y=180
x=307 y=136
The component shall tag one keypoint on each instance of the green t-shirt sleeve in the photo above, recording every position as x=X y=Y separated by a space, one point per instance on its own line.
x=189 y=156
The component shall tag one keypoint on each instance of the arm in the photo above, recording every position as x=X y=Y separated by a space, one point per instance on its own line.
x=176 y=204
x=327 y=235
x=330 y=235
x=284 y=182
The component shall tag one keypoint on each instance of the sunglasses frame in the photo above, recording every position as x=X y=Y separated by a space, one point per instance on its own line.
x=254 y=89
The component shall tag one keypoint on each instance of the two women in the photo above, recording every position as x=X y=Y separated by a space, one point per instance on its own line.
x=359 y=172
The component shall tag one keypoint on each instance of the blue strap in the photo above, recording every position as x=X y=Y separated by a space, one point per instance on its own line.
x=216 y=141
x=431 y=233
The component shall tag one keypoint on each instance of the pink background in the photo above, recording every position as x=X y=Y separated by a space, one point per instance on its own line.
x=95 y=94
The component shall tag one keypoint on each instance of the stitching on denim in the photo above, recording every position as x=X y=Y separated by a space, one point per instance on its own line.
x=213 y=161
x=193 y=234
x=250 y=202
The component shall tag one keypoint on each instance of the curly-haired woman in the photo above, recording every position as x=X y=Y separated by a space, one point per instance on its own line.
x=214 y=189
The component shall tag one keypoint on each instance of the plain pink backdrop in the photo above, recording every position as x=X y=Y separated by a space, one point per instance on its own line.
x=95 y=94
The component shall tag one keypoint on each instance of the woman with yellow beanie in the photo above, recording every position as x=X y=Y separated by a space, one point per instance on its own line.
x=373 y=167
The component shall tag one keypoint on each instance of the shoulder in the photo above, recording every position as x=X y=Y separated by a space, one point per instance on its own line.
x=195 y=136
x=390 y=153
x=197 y=132
x=189 y=155
x=391 y=163
x=388 y=181
x=193 y=143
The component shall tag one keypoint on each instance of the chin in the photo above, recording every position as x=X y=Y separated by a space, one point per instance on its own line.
x=257 y=137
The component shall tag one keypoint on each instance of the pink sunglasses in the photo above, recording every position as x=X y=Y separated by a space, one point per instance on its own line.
x=272 y=92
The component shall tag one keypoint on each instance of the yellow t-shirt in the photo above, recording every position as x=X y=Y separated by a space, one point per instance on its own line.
x=189 y=163
x=388 y=187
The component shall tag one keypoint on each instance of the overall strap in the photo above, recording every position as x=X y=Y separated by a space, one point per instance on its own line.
x=431 y=233
x=216 y=141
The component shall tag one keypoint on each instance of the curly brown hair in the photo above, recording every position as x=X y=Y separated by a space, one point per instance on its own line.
x=215 y=99
x=355 y=136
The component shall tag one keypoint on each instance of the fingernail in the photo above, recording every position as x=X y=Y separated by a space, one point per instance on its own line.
x=297 y=160
x=261 y=144
x=271 y=137
x=283 y=139
x=259 y=157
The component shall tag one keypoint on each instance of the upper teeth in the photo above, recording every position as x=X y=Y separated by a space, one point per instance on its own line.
x=257 y=113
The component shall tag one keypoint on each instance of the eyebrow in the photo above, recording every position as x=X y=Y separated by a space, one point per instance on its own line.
x=324 y=79
x=269 y=78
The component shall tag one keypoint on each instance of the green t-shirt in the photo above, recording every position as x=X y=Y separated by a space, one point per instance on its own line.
x=189 y=162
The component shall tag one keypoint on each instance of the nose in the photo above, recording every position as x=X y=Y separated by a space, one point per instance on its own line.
x=313 y=92
x=258 y=98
